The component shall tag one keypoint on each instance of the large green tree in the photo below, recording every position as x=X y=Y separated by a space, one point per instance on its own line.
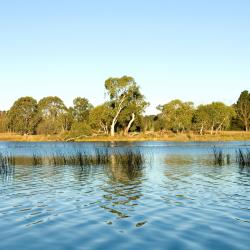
x=149 y=123
x=3 y=121
x=177 y=115
x=132 y=113
x=54 y=115
x=100 y=118
x=243 y=108
x=202 y=118
x=23 y=115
x=214 y=117
x=81 y=108
x=122 y=92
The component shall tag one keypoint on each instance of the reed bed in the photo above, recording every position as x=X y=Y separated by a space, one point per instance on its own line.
x=220 y=158
x=130 y=160
x=6 y=164
x=243 y=157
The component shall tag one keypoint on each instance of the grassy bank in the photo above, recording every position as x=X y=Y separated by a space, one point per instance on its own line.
x=157 y=136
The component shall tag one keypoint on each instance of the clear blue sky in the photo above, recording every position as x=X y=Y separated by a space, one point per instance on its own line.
x=195 y=50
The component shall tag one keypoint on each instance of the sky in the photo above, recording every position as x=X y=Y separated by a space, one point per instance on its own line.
x=193 y=50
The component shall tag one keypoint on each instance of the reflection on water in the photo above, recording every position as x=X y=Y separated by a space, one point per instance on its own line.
x=122 y=190
x=178 y=201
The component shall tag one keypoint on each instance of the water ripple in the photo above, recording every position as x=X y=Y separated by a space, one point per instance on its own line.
x=178 y=203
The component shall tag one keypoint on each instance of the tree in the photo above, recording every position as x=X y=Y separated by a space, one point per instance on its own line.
x=100 y=118
x=132 y=113
x=177 y=115
x=202 y=118
x=214 y=117
x=81 y=109
x=23 y=115
x=122 y=92
x=149 y=122
x=220 y=116
x=79 y=129
x=3 y=121
x=54 y=115
x=243 y=108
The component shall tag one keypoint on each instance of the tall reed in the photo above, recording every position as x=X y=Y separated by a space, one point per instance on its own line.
x=6 y=164
x=243 y=157
x=129 y=159
x=220 y=158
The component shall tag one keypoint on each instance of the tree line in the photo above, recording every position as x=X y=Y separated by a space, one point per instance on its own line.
x=122 y=113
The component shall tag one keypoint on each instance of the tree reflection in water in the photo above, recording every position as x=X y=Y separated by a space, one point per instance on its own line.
x=122 y=189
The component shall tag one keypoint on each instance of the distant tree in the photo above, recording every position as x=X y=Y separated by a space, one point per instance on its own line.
x=149 y=122
x=220 y=116
x=81 y=109
x=122 y=91
x=236 y=123
x=243 y=108
x=23 y=116
x=202 y=118
x=214 y=117
x=80 y=129
x=3 y=121
x=51 y=107
x=54 y=115
x=100 y=118
x=159 y=123
x=177 y=115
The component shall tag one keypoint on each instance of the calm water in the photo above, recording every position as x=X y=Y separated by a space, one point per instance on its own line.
x=178 y=201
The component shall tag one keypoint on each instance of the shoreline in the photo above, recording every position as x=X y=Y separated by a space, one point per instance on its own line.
x=168 y=137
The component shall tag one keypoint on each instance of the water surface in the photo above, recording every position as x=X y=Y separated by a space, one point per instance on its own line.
x=179 y=200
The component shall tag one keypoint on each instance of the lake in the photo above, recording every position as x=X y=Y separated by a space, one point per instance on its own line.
x=178 y=200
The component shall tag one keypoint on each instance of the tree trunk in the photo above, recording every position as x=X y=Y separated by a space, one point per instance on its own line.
x=112 y=127
x=220 y=126
x=129 y=124
x=246 y=125
x=201 y=130
x=104 y=128
x=212 y=129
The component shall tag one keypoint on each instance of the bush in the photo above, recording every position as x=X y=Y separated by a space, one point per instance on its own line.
x=80 y=128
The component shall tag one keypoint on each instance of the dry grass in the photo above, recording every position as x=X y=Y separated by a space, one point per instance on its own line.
x=29 y=138
x=148 y=136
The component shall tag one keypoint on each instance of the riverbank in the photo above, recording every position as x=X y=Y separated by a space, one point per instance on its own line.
x=157 y=136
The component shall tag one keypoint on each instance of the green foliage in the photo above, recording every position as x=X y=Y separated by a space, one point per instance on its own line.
x=100 y=118
x=236 y=124
x=136 y=107
x=117 y=88
x=80 y=128
x=51 y=107
x=47 y=127
x=3 y=122
x=177 y=115
x=123 y=112
x=54 y=117
x=243 y=109
x=148 y=122
x=126 y=101
x=81 y=109
x=23 y=116
x=215 y=116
